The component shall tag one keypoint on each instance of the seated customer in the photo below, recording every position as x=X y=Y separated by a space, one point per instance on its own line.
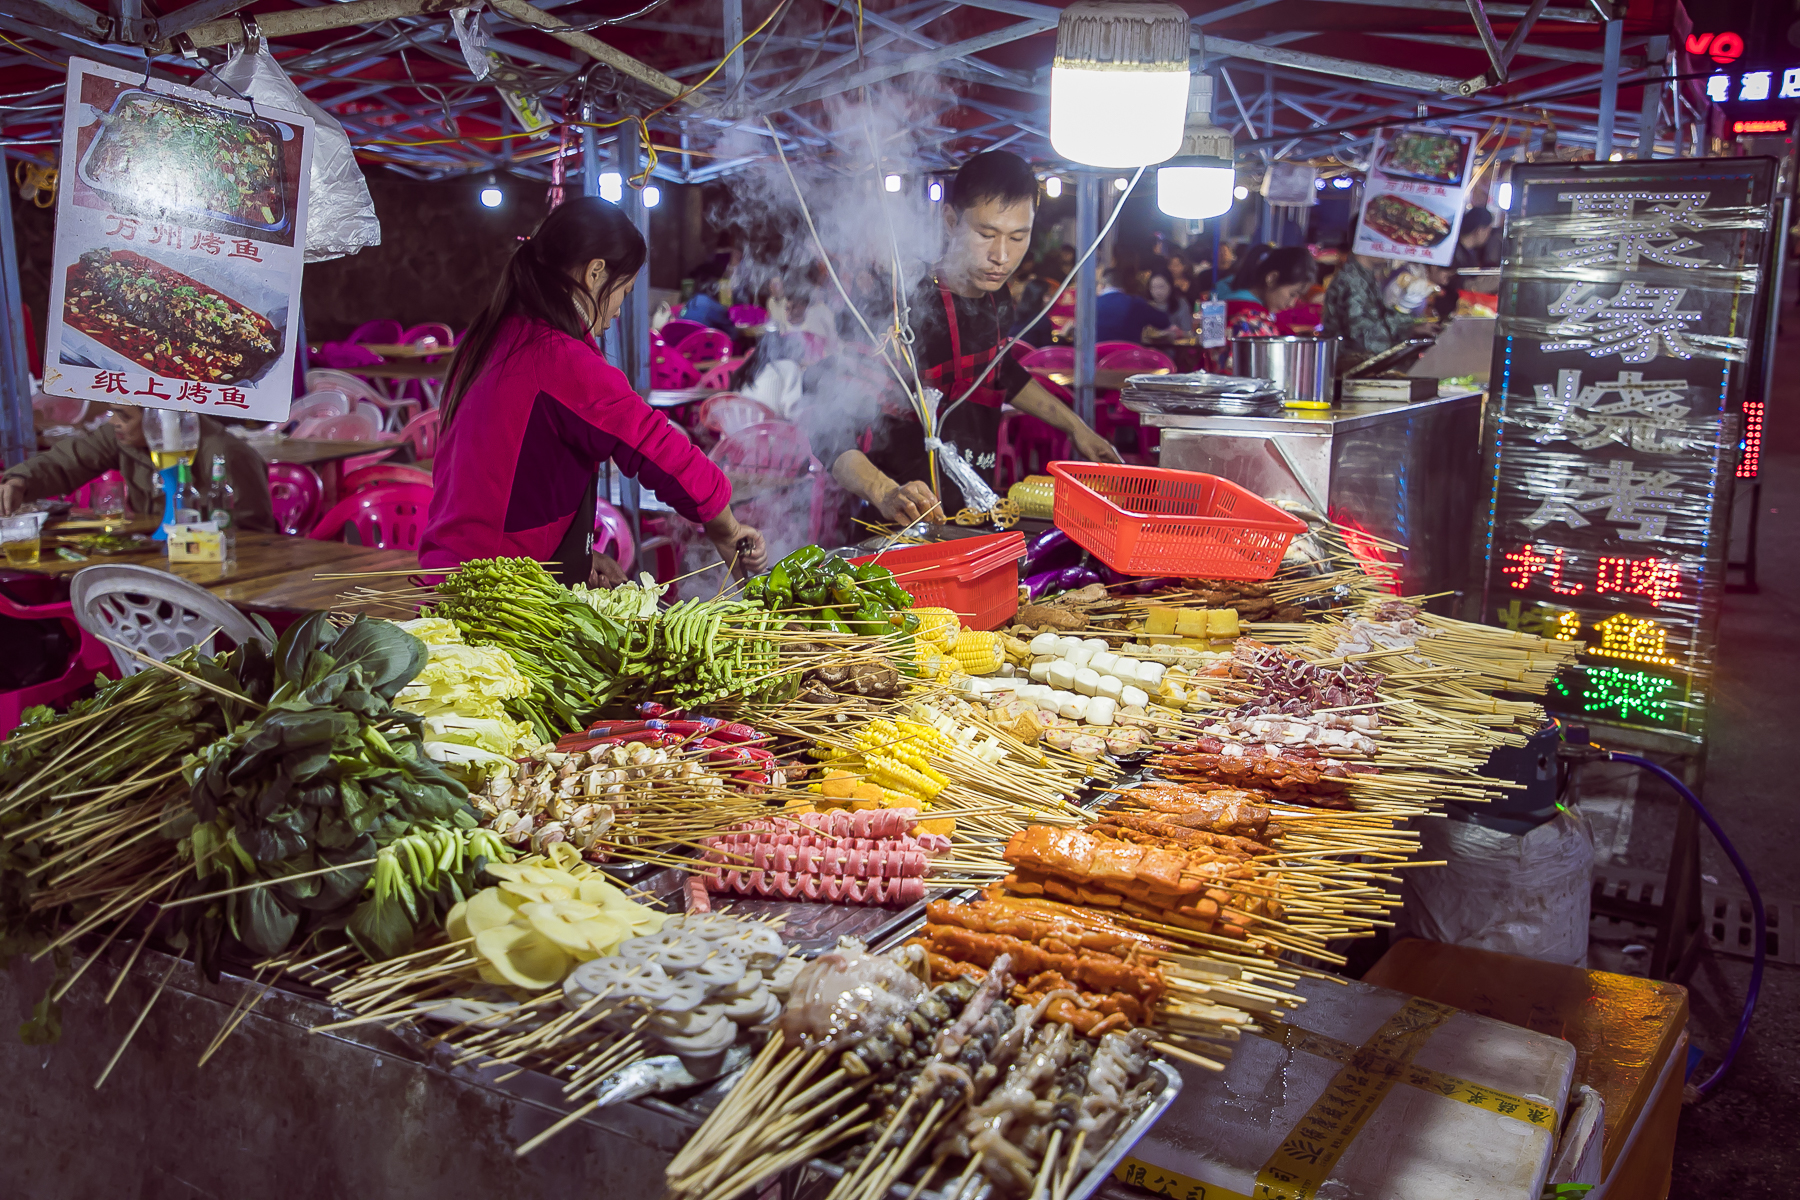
x=119 y=445
x=705 y=307
x=1268 y=280
x=1120 y=316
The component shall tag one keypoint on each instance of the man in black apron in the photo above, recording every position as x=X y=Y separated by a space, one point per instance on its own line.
x=961 y=316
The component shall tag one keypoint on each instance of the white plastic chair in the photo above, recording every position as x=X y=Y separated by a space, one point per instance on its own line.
x=319 y=404
x=153 y=612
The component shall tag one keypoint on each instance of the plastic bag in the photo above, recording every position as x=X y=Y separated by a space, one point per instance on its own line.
x=340 y=213
x=1526 y=895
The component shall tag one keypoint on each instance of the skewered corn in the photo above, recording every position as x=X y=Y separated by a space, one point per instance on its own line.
x=978 y=652
x=937 y=625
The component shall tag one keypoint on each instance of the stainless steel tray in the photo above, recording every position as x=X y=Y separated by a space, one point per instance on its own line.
x=817 y=1177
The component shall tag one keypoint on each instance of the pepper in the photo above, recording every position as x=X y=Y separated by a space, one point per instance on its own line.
x=804 y=557
x=870 y=572
x=829 y=619
x=845 y=591
x=756 y=587
x=870 y=621
x=814 y=595
x=896 y=596
x=780 y=592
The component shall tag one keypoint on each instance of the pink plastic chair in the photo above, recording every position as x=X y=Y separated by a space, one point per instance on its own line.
x=380 y=473
x=728 y=412
x=380 y=332
x=762 y=462
x=340 y=427
x=344 y=356
x=422 y=432
x=436 y=330
x=612 y=534
x=389 y=516
x=91 y=657
x=58 y=410
x=1050 y=358
x=1106 y=348
x=1141 y=360
x=745 y=315
x=679 y=329
x=707 y=345
x=295 y=493
x=669 y=369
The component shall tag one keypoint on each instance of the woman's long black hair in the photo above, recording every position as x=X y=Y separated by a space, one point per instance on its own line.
x=540 y=283
x=1292 y=264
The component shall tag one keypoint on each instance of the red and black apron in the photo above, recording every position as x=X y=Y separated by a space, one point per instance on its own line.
x=898 y=446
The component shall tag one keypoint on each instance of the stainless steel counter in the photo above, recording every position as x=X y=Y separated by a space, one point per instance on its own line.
x=1405 y=472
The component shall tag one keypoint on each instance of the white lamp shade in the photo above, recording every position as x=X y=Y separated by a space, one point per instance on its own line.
x=1194 y=193
x=1114 y=118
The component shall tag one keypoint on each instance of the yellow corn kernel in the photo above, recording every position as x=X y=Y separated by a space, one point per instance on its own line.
x=938 y=625
x=978 y=651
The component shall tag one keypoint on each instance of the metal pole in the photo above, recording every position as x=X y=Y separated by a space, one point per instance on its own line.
x=17 y=437
x=1087 y=230
x=590 y=186
x=1609 y=90
x=734 y=33
x=634 y=315
x=1654 y=54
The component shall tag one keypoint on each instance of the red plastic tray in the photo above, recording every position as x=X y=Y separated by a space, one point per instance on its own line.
x=976 y=578
x=1154 y=521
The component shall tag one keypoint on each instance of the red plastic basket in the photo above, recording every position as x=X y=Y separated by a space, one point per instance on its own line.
x=976 y=578
x=1154 y=521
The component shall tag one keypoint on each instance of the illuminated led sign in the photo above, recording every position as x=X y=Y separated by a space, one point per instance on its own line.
x=1754 y=86
x=1722 y=48
x=1777 y=125
x=1618 y=378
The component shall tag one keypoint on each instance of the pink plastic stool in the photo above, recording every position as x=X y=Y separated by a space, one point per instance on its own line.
x=612 y=534
x=295 y=493
x=389 y=516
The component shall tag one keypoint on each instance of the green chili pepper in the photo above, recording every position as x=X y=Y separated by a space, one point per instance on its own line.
x=829 y=619
x=896 y=596
x=813 y=594
x=804 y=557
x=780 y=592
x=845 y=591
x=756 y=587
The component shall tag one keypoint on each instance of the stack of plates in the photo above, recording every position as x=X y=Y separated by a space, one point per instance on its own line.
x=1200 y=394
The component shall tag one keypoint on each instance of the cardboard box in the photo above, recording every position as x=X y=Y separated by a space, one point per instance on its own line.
x=1365 y=1092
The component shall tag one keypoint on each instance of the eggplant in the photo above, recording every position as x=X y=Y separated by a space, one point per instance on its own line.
x=1076 y=577
x=1050 y=550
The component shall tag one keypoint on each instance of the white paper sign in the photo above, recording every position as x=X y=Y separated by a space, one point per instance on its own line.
x=180 y=235
x=1413 y=200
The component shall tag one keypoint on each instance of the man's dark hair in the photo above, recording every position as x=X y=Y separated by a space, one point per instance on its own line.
x=994 y=175
x=1476 y=219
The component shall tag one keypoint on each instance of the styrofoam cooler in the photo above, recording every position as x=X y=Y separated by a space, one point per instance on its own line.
x=1413 y=1143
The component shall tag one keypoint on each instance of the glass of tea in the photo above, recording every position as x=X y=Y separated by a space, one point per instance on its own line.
x=19 y=539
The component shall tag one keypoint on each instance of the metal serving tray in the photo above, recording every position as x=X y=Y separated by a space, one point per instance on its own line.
x=817 y=1177
x=87 y=176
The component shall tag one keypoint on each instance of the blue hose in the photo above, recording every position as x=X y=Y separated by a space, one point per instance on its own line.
x=1759 y=931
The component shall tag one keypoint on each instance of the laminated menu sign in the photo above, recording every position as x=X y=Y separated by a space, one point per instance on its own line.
x=180 y=233
x=1413 y=198
x=1628 y=305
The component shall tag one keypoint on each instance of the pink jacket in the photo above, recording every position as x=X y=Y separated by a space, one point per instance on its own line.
x=514 y=464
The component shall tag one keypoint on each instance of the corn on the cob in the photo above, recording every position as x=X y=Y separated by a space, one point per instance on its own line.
x=978 y=652
x=937 y=625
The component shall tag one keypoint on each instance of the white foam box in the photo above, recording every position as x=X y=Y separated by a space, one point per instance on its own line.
x=1400 y=1099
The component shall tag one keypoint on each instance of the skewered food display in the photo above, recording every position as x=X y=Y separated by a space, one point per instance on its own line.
x=863 y=857
x=169 y=323
x=657 y=773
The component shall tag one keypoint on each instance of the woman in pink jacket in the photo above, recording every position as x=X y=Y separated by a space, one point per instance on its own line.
x=532 y=409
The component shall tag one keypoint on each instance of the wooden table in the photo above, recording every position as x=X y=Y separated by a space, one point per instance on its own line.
x=409 y=349
x=405 y=368
x=303 y=591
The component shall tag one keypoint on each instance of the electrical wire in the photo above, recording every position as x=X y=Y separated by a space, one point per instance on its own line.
x=1758 y=917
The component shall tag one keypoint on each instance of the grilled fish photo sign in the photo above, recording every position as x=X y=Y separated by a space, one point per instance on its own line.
x=180 y=233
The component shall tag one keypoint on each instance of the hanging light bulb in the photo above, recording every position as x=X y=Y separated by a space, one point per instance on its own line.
x=1119 y=82
x=652 y=196
x=491 y=195
x=612 y=186
x=1197 y=183
x=936 y=191
x=892 y=183
x=1053 y=186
